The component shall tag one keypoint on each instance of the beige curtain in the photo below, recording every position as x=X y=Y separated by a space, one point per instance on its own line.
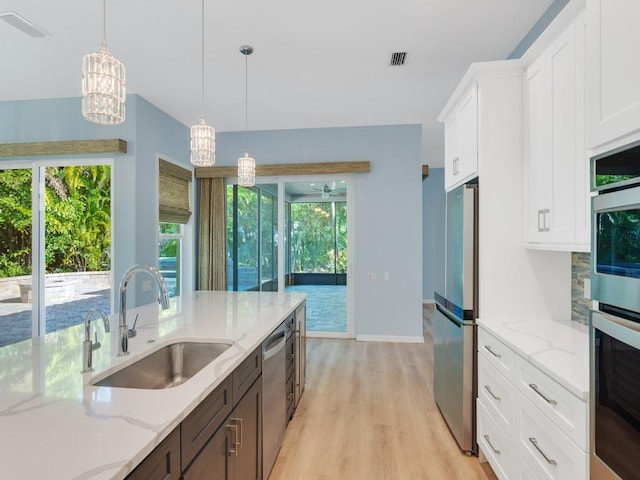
x=212 y=264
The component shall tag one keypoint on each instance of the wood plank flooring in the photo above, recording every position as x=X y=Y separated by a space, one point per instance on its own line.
x=368 y=413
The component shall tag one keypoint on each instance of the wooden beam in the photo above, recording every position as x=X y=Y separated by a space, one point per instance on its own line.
x=425 y=171
x=65 y=147
x=318 y=168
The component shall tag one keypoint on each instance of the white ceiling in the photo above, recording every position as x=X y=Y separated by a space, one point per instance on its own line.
x=316 y=64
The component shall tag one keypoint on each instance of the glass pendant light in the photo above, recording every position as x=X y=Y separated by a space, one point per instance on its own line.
x=203 y=136
x=246 y=164
x=103 y=78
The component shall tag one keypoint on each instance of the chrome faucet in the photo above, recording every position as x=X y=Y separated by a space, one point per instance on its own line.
x=88 y=346
x=124 y=333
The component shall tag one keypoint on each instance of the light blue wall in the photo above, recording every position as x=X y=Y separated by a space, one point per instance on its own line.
x=539 y=27
x=148 y=132
x=433 y=227
x=387 y=201
x=387 y=206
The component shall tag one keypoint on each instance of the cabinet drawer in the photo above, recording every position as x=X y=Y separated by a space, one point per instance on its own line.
x=202 y=423
x=498 y=395
x=563 y=408
x=245 y=374
x=495 y=445
x=498 y=354
x=545 y=448
x=525 y=472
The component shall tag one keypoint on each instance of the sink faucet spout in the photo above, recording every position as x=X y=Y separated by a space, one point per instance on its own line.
x=163 y=299
x=88 y=346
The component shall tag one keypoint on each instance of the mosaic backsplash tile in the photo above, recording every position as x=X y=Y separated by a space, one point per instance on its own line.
x=580 y=269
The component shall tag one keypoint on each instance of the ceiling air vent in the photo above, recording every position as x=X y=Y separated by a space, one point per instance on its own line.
x=398 y=58
x=24 y=25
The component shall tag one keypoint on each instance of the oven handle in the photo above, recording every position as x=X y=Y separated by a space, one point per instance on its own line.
x=621 y=329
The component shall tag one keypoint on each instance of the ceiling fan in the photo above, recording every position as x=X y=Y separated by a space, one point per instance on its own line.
x=326 y=190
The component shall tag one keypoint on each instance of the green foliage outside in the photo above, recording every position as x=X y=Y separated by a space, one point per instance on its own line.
x=15 y=218
x=621 y=247
x=609 y=179
x=169 y=246
x=319 y=237
x=77 y=220
x=247 y=225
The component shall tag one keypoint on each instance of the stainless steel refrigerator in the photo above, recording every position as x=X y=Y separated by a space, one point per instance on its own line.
x=454 y=333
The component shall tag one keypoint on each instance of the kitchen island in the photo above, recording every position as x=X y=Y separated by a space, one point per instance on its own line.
x=54 y=424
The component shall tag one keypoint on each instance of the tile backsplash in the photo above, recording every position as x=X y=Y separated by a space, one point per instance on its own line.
x=580 y=269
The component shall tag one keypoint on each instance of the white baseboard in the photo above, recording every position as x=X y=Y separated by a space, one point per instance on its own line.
x=389 y=339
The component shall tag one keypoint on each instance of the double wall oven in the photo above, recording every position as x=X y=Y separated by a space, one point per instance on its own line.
x=615 y=324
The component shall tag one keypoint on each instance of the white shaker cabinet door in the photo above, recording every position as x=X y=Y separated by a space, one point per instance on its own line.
x=613 y=49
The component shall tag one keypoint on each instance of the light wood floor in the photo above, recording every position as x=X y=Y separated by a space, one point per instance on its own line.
x=368 y=413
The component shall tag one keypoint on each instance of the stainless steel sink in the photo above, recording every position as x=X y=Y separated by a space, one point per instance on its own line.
x=168 y=367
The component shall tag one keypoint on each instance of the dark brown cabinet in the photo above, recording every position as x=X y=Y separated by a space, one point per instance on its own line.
x=247 y=452
x=163 y=463
x=235 y=450
x=205 y=420
x=220 y=439
x=214 y=461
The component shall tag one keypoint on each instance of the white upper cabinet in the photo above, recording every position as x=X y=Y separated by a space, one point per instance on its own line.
x=613 y=47
x=461 y=140
x=556 y=173
x=482 y=96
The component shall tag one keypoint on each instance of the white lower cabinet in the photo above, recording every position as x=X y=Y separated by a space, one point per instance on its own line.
x=525 y=472
x=529 y=427
x=495 y=444
x=549 y=453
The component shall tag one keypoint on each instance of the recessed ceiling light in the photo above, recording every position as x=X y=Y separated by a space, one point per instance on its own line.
x=24 y=25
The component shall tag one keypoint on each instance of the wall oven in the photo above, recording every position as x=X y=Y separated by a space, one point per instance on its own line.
x=615 y=325
x=615 y=397
x=615 y=256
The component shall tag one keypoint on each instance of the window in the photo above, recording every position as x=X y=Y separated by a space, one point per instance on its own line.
x=174 y=211
x=170 y=253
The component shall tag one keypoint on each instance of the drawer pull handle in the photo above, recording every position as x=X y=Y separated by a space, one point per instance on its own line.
x=550 y=461
x=488 y=389
x=497 y=452
x=535 y=388
x=234 y=443
x=490 y=350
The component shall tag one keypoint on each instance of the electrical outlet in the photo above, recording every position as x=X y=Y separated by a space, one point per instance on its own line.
x=146 y=285
x=587 y=288
x=371 y=276
x=386 y=276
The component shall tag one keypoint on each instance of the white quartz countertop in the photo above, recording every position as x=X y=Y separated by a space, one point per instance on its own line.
x=54 y=424
x=559 y=349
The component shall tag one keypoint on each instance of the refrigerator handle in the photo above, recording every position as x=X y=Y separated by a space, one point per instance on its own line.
x=449 y=316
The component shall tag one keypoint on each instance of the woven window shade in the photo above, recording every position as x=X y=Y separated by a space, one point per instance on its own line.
x=174 y=193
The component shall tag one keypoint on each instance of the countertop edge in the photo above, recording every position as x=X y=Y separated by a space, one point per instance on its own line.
x=571 y=386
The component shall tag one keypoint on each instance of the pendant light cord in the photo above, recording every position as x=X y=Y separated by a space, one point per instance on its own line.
x=246 y=101
x=202 y=61
x=104 y=21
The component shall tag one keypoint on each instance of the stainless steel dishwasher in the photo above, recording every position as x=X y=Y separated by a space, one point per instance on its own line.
x=274 y=396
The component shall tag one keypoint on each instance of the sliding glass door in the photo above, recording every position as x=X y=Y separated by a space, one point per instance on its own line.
x=55 y=239
x=252 y=236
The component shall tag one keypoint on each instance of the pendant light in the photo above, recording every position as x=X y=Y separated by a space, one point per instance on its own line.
x=246 y=164
x=103 y=78
x=203 y=136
